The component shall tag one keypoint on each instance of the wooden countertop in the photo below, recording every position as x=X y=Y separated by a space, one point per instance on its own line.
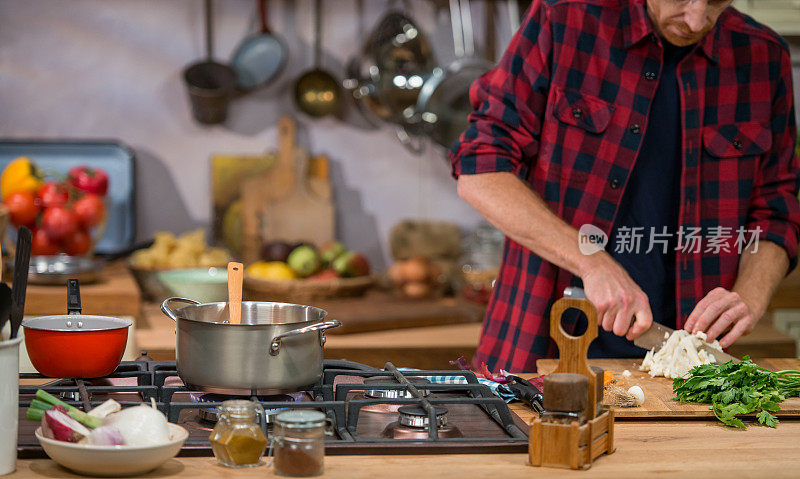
x=644 y=449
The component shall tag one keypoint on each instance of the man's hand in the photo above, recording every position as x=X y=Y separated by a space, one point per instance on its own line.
x=617 y=298
x=719 y=311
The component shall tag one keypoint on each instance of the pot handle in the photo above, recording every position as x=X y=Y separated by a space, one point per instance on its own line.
x=275 y=348
x=169 y=312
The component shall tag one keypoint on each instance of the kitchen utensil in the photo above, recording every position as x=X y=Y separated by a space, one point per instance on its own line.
x=54 y=270
x=260 y=57
x=235 y=276
x=526 y=392
x=316 y=92
x=443 y=105
x=277 y=347
x=115 y=158
x=568 y=444
x=9 y=403
x=113 y=461
x=5 y=299
x=211 y=84
x=75 y=345
x=386 y=76
x=281 y=206
x=206 y=284
x=19 y=284
x=657 y=334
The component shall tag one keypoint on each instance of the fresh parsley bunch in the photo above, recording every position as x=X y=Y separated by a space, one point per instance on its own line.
x=734 y=389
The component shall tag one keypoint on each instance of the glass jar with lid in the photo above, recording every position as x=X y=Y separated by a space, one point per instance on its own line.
x=237 y=440
x=299 y=443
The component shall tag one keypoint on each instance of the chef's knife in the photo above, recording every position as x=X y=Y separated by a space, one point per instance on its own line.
x=657 y=335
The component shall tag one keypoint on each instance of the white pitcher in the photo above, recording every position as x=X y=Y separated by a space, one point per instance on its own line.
x=9 y=404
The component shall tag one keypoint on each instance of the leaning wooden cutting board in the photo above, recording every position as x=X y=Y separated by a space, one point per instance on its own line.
x=658 y=401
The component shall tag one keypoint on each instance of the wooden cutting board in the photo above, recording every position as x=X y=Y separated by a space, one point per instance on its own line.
x=114 y=294
x=658 y=395
x=289 y=204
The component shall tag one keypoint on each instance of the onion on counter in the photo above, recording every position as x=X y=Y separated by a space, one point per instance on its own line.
x=105 y=436
x=140 y=425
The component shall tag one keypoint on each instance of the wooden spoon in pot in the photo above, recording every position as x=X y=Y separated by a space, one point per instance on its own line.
x=235 y=275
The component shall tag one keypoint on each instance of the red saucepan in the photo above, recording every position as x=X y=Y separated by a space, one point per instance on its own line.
x=75 y=345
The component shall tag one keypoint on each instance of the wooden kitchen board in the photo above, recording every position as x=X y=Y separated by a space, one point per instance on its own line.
x=114 y=294
x=658 y=395
x=293 y=203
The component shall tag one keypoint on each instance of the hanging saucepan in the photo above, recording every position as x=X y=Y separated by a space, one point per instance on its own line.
x=386 y=77
x=443 y=105
x=211 y=84
x=317 y=92
x=260 y=57
x=75 y=345
x=277 y=348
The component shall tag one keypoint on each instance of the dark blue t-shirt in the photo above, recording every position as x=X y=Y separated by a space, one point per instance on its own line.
x=650 y=202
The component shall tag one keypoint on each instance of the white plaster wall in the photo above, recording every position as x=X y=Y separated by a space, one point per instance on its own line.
x=111 y=69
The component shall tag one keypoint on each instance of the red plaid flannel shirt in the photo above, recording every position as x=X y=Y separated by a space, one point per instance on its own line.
x=566 y=110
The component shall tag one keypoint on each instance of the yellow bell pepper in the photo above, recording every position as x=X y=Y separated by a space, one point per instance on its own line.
x=21 y=175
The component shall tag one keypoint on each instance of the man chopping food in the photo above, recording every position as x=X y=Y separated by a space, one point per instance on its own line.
x=644 y=151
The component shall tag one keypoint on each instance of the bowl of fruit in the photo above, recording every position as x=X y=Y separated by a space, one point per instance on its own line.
x=66 y=213
x=303 y=272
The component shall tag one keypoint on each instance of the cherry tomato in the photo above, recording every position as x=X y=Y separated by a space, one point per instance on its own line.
x=52 y=194
x=42 y=244
x=77 y=243
x=90 y=210
x=22 y=208
x=59 y=222
x=90 y=180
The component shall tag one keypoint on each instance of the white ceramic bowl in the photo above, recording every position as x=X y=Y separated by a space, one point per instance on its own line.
x=113 y=460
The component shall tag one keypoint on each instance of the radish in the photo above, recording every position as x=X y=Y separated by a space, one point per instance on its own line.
x=57 y=425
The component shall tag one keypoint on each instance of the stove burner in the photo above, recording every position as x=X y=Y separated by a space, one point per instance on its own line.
x=413 y=424
x=211 y=414
x=415 y=416
x=380 y=393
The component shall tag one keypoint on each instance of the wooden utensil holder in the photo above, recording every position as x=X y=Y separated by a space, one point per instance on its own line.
x=573 y=445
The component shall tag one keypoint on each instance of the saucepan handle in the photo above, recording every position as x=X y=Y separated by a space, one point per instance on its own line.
x=169 y=312
x=275 y=347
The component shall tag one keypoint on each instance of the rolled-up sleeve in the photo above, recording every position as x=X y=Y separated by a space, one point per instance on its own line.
x=774 y=208
x=509 y=103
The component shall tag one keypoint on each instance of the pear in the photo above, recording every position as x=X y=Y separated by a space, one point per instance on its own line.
x=304 y=260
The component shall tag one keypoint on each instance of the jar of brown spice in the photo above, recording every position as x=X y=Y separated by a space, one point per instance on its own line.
x=298 y=443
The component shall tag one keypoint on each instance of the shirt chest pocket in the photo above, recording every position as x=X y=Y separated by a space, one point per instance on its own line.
x=577 y=137
x=584 y=111
x=731 y=154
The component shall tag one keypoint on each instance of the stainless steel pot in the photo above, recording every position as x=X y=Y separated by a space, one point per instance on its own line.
x=277 y=348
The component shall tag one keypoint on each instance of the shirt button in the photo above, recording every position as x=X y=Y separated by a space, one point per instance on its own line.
x=635 y=129
x=577 y=113
x=737 y=144
x=615 y=184
x=650 y=76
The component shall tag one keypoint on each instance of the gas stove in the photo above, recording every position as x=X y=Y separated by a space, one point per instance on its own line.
x=372 y=411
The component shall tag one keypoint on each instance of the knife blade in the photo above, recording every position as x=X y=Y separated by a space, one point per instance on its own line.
x=657 y=335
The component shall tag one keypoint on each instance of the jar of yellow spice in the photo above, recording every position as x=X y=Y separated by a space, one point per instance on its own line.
x=237 y=440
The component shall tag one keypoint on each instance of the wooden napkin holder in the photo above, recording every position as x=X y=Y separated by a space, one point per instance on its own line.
x=573 y=446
